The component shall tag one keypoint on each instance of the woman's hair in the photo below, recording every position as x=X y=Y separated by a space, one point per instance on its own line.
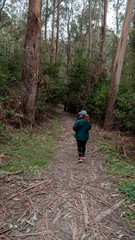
x=86 y=118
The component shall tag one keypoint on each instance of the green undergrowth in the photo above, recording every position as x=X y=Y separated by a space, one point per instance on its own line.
x=122 y=170
x=29 y=151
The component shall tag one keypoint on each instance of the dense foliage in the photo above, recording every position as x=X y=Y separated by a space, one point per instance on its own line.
x=56 y=83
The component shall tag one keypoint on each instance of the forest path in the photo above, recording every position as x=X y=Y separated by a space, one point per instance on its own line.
x=76 y=201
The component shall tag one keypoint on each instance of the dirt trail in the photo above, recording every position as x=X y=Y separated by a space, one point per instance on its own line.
x=76 y=202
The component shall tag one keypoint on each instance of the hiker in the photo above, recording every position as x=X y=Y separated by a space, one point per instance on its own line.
x=81 y=128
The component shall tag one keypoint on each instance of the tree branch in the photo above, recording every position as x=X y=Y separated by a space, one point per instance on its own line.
x=2 y=8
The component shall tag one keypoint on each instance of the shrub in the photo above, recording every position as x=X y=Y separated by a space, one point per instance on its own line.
x=97 y=100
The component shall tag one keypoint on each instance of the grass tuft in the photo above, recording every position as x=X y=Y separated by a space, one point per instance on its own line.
x=119 y=166
x=27 y=151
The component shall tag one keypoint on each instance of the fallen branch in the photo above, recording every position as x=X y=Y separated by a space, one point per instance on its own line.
x=6 y=229
x=108 y=211
x=35 y=234
x=14 y=173
x=56 y=218
x=124 y=151
x=104 y=200
x=11 y=173
x=6 y=237
x=68 y=201
x=105 y=237
x=33 y=186
x=94 y=175
x=86 y=217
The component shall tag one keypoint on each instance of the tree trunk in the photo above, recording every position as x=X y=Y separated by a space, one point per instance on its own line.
x=46 y=19
x=115 y=80
x=31 y=58
x=57 y=38
x=70 y=12
x=52 y=40
x=116 y=34
x=68 y=44
x=117 y=19
x=117 y=26
x=82 y=38
x=90 y=37
x=90 y=32
x=134 y=17
x=2 y=6
x=101 y=69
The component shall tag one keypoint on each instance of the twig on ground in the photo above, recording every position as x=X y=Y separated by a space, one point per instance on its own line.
x=125 y=154
x=36 y=234
x=56 y=218
x=105 y=237
x=86 y=217
x=6 y=237
x=108 y=211
x=6 y=174
x=33 y=186
x=104 y=200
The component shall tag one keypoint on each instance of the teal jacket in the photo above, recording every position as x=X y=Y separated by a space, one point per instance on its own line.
x=82 y=129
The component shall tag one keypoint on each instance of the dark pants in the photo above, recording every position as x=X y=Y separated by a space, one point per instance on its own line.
x=81 y=147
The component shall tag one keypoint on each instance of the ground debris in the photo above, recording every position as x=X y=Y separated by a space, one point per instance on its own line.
x=74 y=202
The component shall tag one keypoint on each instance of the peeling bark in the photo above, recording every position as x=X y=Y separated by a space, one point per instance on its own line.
x=116 y=74
x=52 y=40
x=31 y=58
x=103 y=38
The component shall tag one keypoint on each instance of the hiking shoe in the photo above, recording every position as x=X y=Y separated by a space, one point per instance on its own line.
x=80 y=159
x=83 y=157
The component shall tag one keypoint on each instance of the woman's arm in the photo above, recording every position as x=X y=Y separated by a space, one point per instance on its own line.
x=76 y=125
x=89 y=124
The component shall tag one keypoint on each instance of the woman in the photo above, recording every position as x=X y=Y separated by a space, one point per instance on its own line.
x=81 y=128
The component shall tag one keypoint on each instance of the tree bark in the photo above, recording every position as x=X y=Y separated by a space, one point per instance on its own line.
x=90 y=32
x=90 y=37
x=46 y=19
x=4 y=1
x=117 y=19
x=68 y=44
x=52 y=40
x=69 y=36
x=103 y=38
x=115 y=80
x=57 y=38
x=134 y=17
x=31 y=58
x=116 y=34
x=81 y=26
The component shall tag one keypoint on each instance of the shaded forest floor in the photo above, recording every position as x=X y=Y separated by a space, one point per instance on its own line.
x=71 y=200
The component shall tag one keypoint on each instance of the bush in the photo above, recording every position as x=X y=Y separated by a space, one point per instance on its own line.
x=77 y=82
x=125 y=110
x=97 y=100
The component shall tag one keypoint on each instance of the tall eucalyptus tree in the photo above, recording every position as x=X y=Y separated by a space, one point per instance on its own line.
x=90 y=30
x=31 y=58
x=46 y=20
x=57 y=37
x=116 y=74
x=89 y=44
x=1 y=8
x=70 y=13
x=101 y=68
x=52 y=37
